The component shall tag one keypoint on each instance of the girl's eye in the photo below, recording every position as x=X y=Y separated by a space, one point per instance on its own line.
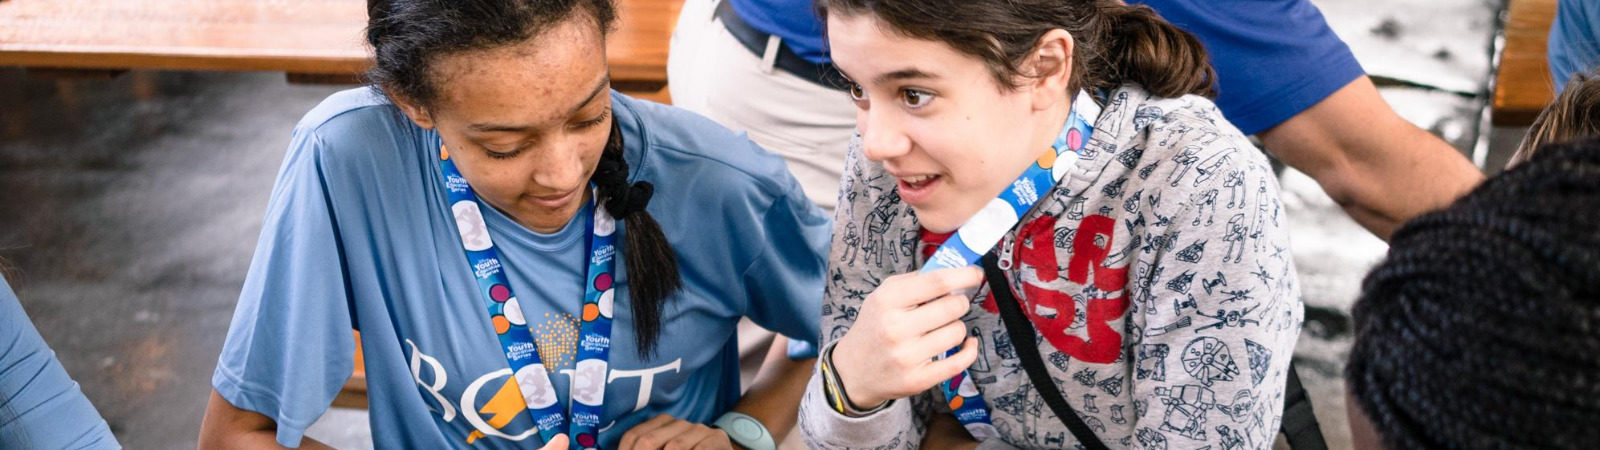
x=508 y=154
x=856 y=92
x=595 y=121
x=915 y=98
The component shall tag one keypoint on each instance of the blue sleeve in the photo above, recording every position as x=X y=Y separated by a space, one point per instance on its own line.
x=1274 y=58
x=289 y=348
x=40 y=405
x=785 y=280
x=1574 y=40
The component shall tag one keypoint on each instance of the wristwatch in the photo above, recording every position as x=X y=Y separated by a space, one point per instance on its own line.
x=746 y=431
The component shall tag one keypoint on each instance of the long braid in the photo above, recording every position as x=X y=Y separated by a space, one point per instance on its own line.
x=652 y=263
x=1481 y=329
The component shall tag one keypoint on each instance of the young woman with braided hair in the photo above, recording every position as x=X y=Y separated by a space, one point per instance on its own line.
x=1136 y=292
x=466 y=214
x=1479 y=329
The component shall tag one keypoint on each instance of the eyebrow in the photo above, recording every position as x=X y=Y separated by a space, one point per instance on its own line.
x=903 y=74
x=594 y=93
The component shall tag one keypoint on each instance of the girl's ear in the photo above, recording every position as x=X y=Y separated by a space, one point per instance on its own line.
x=1050 y=69
x=412 y=109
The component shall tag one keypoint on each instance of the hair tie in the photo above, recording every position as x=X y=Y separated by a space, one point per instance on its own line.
x=630 y=201
x=625 y=199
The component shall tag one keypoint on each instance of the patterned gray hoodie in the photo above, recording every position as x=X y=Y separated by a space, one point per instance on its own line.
x=1156 y=274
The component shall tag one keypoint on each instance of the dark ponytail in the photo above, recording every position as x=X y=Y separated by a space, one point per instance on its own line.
x=652 y=264
x=1145 y=49
x=1114 y=43
x=408 y=35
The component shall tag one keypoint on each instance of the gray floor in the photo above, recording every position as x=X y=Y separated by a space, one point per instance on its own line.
x=129 y=209
x=128 y=213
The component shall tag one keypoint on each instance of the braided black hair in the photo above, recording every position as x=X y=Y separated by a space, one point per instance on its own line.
x=1481 y=329
x=652 y=264
x=408 y=35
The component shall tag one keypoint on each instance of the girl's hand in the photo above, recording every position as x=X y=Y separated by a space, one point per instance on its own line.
x=667 y=432
x=906 y=322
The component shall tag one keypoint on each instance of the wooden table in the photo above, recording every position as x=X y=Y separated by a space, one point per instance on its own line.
x=1522 y=84
x=310 y=40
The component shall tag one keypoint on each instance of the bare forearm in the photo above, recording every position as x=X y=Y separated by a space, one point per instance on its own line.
x=227 y=427
x=774 y=398
x=1381 y=169
x=1395 y=189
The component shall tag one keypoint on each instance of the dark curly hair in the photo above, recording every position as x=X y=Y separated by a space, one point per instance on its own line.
x=1481 y=329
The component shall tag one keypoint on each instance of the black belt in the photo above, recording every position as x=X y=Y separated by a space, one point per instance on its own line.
x=824 y=75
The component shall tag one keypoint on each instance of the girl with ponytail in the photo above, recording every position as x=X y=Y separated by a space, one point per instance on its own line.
x=531 y=258
x=1135 y=287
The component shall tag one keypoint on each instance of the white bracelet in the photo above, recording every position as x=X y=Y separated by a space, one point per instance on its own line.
x=746 y=431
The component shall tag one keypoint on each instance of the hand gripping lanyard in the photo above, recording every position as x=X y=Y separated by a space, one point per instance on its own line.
x=984 y=230
x=587 y=390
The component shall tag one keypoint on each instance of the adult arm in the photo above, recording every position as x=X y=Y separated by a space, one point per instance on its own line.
x=1377 y=166
x=40 y=405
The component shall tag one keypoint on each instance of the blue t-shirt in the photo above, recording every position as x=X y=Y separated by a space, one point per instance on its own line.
x=1574 y=40
x=40 y=405
x=358 y=234
x=795 y=21
x=1274 y=58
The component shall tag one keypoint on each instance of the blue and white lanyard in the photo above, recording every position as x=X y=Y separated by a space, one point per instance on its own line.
x=984 y=230
x=587 y=390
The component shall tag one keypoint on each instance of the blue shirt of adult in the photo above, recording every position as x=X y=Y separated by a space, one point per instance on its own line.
x=1274 y=58
x=40 y=406
x=1574 y=40
x=358 y=234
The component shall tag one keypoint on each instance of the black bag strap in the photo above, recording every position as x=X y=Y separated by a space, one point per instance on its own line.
x=1027 y=346
x=1300 y=426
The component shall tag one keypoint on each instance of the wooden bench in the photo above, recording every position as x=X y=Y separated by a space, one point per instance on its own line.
x=309 y=40
x=1522 y=85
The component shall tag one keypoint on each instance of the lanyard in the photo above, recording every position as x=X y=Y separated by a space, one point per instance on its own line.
x=587 y=390
x=984 y=230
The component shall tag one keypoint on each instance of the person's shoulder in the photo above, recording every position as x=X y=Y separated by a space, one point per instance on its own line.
x=354 y=126
x=1190 y=120
x=1190 y=131
x=345 y=108
x=678 y=142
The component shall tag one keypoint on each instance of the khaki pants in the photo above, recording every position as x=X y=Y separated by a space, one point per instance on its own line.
x=810 y=126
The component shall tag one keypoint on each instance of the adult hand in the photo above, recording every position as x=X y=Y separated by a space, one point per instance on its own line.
x=667 y=432
x=906 y=322
x=560 y=442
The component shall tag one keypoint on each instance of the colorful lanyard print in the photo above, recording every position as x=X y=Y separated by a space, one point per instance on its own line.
x=984 y=230
x=587 y=389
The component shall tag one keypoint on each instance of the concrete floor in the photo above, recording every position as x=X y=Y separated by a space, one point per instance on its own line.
x=129 y=212
x=130 y=209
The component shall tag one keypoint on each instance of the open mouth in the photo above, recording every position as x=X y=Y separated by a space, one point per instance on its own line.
x=919 y=181
x=916 y=189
